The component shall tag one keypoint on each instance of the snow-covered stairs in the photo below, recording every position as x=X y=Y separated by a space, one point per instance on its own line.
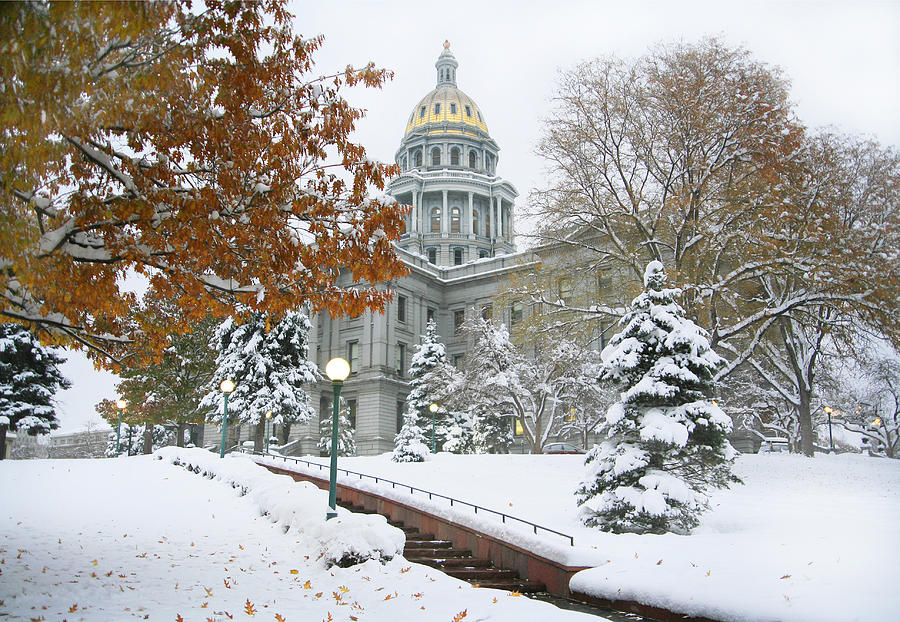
x=441 y=554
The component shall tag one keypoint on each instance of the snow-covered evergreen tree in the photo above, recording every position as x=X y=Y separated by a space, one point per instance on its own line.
x=131 y=439
x=29 y=378
x=410 y=444
x=459 y=434
x=667 y=440
x=346 y=442
x=268 y=365
x=429 y=355
x=492 y=433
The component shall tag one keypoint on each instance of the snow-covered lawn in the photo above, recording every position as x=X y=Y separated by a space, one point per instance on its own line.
x=138 y=538
x=803 y=539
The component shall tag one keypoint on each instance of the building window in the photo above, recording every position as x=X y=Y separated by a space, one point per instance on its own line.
x=517 y=428
x=457 y=256
x=435 y=157
x=459 y=317
x=422 y=113
x=473 y=159
x=468 y=111
x=418 y=158
x=435 y=220
x=401 y=406
x=515 y=313
x=454 y=156
x=432 y=255
x=401 y=359
x=479 y=118
x=454 y=220
x=353 y=356
x=565 y=290
x=475 y=221
x=452 y=108
x=429 y=315
x=351 y=414
x=458 y=360
x=487 y=312
x=401 y=308
x=482 y=253
x=437 y=109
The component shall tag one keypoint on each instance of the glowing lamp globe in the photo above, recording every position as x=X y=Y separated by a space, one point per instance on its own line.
x=337 y=369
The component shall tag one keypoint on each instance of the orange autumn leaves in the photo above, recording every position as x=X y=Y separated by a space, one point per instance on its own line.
x=169 y=144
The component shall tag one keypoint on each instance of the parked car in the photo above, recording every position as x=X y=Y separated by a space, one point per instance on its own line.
x=562 y=448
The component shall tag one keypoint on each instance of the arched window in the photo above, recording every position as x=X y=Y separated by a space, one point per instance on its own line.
x=475 y=221
x=454 y=220
x=457 y=256
x=435 y=220
x=454 y=156
x=435 y=157
x=473 y=159
x=403 y=163
x=432 y=255
x=417 y=158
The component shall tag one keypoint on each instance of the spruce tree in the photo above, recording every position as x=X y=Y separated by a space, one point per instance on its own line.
x=429 y=355
x=667 y=440
x=492 y=432
x=29 y=378
x=269 y=367
x=346 y=443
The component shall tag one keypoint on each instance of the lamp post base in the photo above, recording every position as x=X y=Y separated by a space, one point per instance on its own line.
x=330 y=515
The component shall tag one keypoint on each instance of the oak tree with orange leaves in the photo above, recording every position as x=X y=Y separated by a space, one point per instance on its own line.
x=196 y=146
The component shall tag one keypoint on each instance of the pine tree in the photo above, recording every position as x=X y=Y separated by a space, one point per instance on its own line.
x=29 y=377
x=459 y=434
x=667 y=441
x=346 y=442
x=429 y=355
x=269 y=366
x=491 y=431
x=410 y=444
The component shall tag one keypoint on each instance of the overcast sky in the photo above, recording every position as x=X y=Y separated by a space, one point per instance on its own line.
x=842 y=59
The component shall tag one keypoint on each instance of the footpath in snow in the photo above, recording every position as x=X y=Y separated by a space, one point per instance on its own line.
x=802 y=540
x=141 y=538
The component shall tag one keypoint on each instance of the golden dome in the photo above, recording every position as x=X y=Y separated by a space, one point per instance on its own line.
x=446 y=109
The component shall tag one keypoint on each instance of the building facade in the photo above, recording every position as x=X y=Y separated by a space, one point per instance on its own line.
x=459 y=244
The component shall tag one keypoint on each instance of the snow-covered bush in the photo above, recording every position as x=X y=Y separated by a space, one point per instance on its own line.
x=131 y=440
x=667 y=440
x=298 y=507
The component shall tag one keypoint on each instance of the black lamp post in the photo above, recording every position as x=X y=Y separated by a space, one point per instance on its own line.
x=227 y=387
x=828 y=411
x=337 y=370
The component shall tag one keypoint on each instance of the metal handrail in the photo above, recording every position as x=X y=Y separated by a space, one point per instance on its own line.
x=413 y=489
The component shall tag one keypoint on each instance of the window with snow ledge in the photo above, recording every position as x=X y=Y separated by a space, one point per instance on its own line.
x=457 y=256
x=401 y=308
x=353 y=356
x=401 y=359
x=459 y=317
x=432 y=255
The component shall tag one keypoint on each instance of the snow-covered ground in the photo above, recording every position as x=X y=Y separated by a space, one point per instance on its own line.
x=802 y=539
x=138 y=538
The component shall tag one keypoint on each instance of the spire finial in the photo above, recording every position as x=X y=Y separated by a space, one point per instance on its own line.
x=446 y=66
x=446 y=44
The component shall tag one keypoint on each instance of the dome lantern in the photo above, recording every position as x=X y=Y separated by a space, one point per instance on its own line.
x=446 y=67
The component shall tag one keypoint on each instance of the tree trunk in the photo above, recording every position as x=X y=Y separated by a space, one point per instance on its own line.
x=806 y=430
x=179 y=434
x=285 y=433
x=259 y=440
x=148 y=438
x=2 y=442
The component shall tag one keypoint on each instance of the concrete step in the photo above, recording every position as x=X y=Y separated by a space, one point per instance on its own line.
x=523 y=586
x=478 y=575
x=462 y=562
x=427 y=544
x=415 y=555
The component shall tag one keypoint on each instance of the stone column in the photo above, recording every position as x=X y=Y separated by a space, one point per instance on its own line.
x=469 y=216
x=414 y=216
x=445 y=220
x=499 y=217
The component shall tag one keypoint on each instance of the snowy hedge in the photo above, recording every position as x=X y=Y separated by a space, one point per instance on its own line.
x=299 y=507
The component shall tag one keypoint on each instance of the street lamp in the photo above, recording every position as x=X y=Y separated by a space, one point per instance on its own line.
x=226 y=387
x=433 y=408
x=268 y=417
x=828 y=411
x=337 y=370
x=120 y=404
